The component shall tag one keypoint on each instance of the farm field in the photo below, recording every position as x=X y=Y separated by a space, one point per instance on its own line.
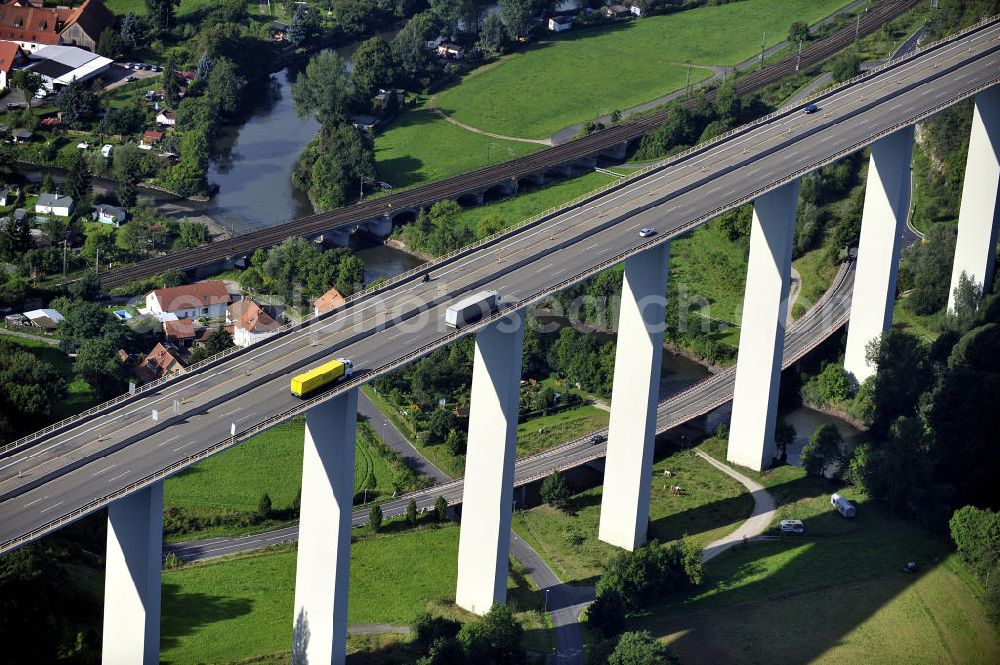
x=231 y=610
x=420 y=147
x=138 y=7
x=271 y=462
x=564 y=80
x=834 y=595
x=712 y=505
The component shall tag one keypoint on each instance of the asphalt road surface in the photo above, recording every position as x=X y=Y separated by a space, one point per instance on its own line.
x=62 y=476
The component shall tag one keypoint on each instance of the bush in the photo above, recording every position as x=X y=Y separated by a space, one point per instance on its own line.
x=555 y=492
x=607 y=613
x=441 y=509
x=641 y=648
x=375 y=517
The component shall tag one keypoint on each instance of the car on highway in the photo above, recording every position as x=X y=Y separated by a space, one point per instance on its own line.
x=597 y=438
x=810 y=108
x=646 y=232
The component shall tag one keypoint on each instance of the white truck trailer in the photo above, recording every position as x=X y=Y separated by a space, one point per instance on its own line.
x=472 y=308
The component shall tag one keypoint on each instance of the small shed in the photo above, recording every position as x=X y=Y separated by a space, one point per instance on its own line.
x=560 y=23
x=365 y=123
x=107 y=214
x=44 y=318
x=21 y=135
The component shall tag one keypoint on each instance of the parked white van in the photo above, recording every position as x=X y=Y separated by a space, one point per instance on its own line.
x=842 y=505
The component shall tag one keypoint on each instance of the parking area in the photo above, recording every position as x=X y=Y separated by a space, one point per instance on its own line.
x=121 y=73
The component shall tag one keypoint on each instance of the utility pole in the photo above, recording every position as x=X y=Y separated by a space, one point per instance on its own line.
x=763 y=41
x=857 y=29
x=687 y=84
x=97 y=262
x=64 y=257
x=798 y=60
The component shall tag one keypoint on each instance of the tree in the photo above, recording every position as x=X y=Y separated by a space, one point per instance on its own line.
x=15 y=239
x=846 y=67
x=297 y=32
x=161 y=13
x=798 y=32
x=448 y=13
x=111 y=45
x=371 y=68
x=411 y=513
x=29 y=388
x=968 y=295
x=517 y=17
x=324 y=89
x=641 y=648
x=455 y=443
x=172 y=80
x=264 y=507
x=784 y=434
x=77 y=104
x=440 y=423
x=48 y=185
x=27 y=82
x=127 y=167
x=193 y=234
x=408 y=46
x=976 y=533
x=493 y=638
x=607 y=613
x=132 y=31
x=375 y=517
x=78 y=181
x=822 y=450
x=727 y=103
x=224 y=86
x=441 y=509
x=493 y=36
x=97 y=363
x=555 y=492
x=86 y=287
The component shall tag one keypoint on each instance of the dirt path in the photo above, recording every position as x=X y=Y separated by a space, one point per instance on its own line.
x=476 y=130
x=763 y=513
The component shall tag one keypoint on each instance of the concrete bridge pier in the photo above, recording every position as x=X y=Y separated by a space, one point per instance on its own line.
x=635 y=393
x=979 y=214
x=882 y=223
x=322 y=571
x=762 y=332
x=132 y=578
x=484 y=543
x=616 y=153
x=381 y=227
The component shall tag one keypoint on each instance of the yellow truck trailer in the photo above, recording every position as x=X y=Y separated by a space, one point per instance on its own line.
x=321 y=376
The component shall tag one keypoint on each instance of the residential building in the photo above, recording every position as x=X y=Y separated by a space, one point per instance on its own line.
x=166 y=118
x=328 y=302
x=10 y=55
x=560 y=23
x=54 y=204
x=21 y=135
x=34 y=27
x=279 y=31
x=251 y=324
x=150 y=138
x=448 y=50
x=204 y=299
x=158 y=363
x=180 y=331
x=616 y=12
x=108 y=214
x=365 y=123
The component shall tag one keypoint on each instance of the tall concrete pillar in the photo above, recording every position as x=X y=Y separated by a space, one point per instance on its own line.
x=132 y=578
x=634 y=396
x=975 y=248
x=882 y=221
x=762 y=329
x=319 y=633
x=484 y=544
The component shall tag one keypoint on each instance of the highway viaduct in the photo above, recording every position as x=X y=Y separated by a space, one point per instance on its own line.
x=117 y=455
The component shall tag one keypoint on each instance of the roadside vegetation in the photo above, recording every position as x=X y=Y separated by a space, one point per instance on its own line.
x=225 y=495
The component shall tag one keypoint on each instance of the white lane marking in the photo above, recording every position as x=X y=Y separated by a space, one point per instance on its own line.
x=184 y=445
x=120 y=475
x=175 y=436
x=587 y=249
x=249 y=415
x=59 y=503
x=36 y=501
x=230 y=413
x=400 y=334
x=543 y=268
x=107 y=468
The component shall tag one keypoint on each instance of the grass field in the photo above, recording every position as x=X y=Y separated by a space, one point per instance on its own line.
x=713 y=504
x=270 y=462
x=817 y=275
x=834 y=595
x=706 y=264
x=540 y=434
x=927 y=328
x=533 y=202
x=419 y=147
x=138 y=7
x=566 y=79
x=232 y=610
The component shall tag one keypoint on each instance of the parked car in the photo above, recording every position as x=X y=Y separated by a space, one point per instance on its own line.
x=792 y=526
x=137 y=66
x=157 y=68
x=12 y=106
x=130 y=78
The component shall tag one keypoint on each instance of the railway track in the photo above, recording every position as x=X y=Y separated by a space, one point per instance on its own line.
x=493 y=175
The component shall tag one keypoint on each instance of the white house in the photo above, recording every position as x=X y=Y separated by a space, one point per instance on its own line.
x=250 y=323
x=560 y=23
x=106 y=214
x=54 y=204
x=167 y=118
x=207 y=299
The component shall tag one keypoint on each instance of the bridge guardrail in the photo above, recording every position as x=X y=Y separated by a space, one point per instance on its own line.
x=504 y=233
